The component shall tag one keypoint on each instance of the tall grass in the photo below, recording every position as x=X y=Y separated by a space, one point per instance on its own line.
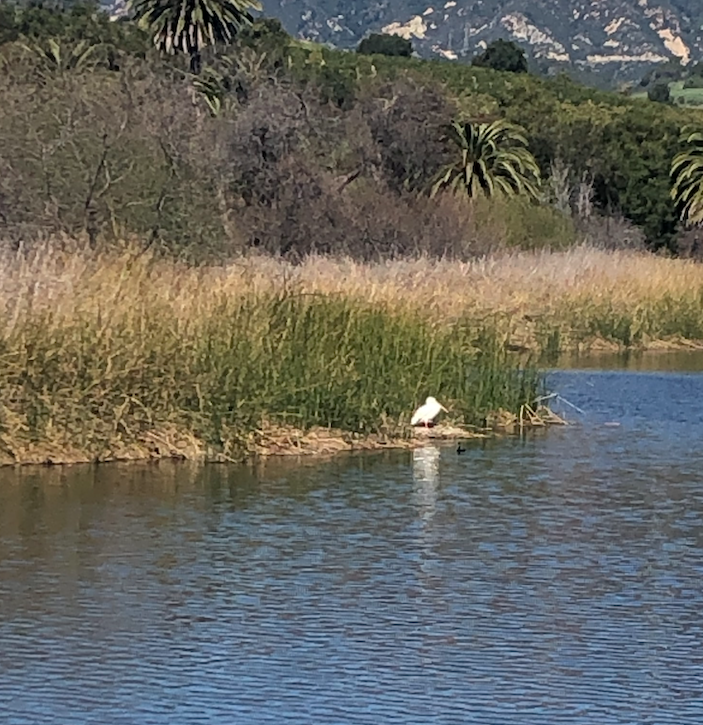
x=96 y=351
x=583 y=297
x=99 y=351
x=315 y=360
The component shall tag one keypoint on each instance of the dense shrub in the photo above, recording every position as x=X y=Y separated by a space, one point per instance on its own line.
x=502 y=55
x=69 y=22
x=382 y=44
x=694 y=81
x=659 y=93
x=664 y=72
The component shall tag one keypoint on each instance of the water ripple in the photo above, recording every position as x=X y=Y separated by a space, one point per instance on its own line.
x=554 y=579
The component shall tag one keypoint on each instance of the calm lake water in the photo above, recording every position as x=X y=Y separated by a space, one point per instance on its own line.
x=552 y=579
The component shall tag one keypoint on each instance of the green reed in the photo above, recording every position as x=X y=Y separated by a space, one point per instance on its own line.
x=88 y=380
x=313 y=360
x=632 y=323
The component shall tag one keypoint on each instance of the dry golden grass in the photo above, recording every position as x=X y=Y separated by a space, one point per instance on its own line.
x=122 y=356
x=580 y=298
x=515 y=283
x=574 y=292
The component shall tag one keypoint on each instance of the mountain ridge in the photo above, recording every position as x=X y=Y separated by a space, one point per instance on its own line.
x=615 y=38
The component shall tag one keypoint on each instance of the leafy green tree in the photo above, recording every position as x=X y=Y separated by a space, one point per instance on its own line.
x=265 y=35
x=659 y=93
x=382 y=44
x=188 y=26
x=502 y=55
x=694 y=81
x=70 y=26
x=493 y=160
x=672 y=70
x=687 y=177
x=8 y=25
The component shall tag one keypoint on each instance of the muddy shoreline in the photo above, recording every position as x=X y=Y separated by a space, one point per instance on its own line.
x=271 y=441
x=163 y=445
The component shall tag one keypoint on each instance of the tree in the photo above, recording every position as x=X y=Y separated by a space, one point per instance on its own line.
x=8 y=24
x=672 y=70
x=382 y=44
x=659 y=93
x=188 y=26
x=266 y=35
x=494 y=159
x=70 y=24
x=694 y=81
x=54 y=56
x=687 y=177
x=404 y=119
x=502 y=55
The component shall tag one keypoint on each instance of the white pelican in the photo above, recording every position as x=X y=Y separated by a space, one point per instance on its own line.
x=426 y=413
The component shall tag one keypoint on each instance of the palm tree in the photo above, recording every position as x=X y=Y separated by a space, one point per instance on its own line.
x=494 y=160
x=687 y=177
x=188 y=26
x=55 y=56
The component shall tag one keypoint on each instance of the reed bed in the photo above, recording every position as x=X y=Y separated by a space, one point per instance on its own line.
x=546 y=301
x=122 y=355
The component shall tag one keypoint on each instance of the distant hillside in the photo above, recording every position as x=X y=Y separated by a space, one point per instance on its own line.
x=618 y=39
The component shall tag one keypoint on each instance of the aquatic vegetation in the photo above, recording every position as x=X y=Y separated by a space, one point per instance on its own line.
x=103 y=353
x=549 y=302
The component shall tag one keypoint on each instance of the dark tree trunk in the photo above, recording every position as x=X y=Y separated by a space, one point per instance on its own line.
x=196 y=63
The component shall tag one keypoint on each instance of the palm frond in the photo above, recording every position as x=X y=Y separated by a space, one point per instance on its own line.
x=687 y=178
x=493 y=159
x=187 y=26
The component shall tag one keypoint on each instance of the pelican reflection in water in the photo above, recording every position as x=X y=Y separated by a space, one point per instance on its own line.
x=425 y=478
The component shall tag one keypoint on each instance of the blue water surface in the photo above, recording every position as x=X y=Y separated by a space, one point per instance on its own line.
x=553 y=578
